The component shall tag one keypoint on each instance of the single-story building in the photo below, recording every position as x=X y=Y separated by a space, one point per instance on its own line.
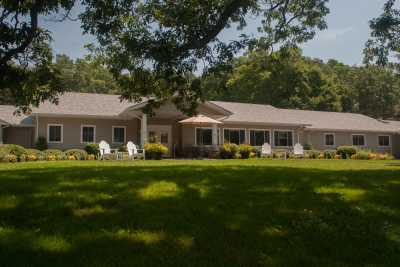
x=81 y=118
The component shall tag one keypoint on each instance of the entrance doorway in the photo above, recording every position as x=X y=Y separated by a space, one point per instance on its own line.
x=161 y=134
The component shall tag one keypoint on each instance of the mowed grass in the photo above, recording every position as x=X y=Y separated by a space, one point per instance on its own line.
x=200 y=213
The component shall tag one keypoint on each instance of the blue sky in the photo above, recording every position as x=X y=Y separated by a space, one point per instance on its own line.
x=343 y=40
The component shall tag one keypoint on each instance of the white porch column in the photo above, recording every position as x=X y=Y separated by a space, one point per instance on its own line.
x=1 y=134
x=143 y=130
x=214 y=135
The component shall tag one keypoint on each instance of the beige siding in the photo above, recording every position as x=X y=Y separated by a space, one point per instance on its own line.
x=188 y=132
x=72 y=130
x=176 y=128
x=23 y=136
x=316 y=139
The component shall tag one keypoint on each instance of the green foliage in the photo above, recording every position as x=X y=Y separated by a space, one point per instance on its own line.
x=228 y=151
x=40 y=155
x=245 y=151
x=10 y=149
x=92 y=149
x=54 y=154
x=308 y=147
x=41 y=143
x=346 y=151
x=361 y=154
x=122 y=148
x=155 y=150
x=330 y=154
x=79 y=154
x=312 y=154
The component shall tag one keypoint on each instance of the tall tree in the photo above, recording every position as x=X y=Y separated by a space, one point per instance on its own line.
x=152 y=46
x=26 y=73
x=385 y=35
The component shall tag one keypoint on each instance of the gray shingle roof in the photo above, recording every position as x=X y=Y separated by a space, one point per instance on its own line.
x=86 y=104
x=242 y=112
x=7 y=116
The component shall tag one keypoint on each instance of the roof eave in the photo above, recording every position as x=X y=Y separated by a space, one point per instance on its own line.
x=352 y=130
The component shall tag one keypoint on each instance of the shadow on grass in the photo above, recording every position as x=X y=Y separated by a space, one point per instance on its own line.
x=199 y=216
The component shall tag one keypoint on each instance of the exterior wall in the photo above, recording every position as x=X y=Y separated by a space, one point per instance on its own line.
x=316 y=139
x=72 y=130
x=23 y=136
x=189 y=136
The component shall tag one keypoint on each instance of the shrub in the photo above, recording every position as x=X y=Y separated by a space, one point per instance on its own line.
x=122 y=148
x=384 y=156
x=92 y=149
x=245 y=151
x=155 y=150
x=54 y=154
x=34 y=154
x=91 y=157
x=11 y=149
x=329 y=154
x=361 y=154
x=10 y=158
x=228 y=151
x=41 y=143
x=346 y=151
x=308 y=147
x=312 y=154
x=337 y=156
x=78 y=154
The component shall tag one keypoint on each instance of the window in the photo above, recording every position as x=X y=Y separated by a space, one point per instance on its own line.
x=118 y=135
x=204 y=136
x=54 y=133
x=358 y=140
x=283 y=138
x=234 y=136
x=259 y=137
x=88 y=133
x=384 y=140
x=329 y=139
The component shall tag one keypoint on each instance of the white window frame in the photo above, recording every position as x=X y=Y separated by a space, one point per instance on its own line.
x=282 y=130
x=94 y=133
x=390 y=140
x=48 y=133
x=334 y=139
x=365 y=140
x=235 y=129
x=263 y=130
x=205 y=128
x=112 y=134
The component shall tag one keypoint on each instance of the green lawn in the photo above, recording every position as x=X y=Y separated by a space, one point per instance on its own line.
x=200 y=213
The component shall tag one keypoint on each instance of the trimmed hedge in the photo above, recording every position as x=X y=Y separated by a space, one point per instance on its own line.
x=78 y=154
x=54 y=154
x=346 y=151
x=92 y=149
x=245 y=151
x=155 y=150
x=228 y=151
x=34 y=154
x=6 y=150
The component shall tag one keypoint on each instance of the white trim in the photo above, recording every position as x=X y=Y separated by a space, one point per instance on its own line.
x=334 y=140
x=238 y=129
x=282 y=130
x=260 y=130
x=195 y=135
x=365 y=139
x=390 y=141
x=94 y=133
x=112 y=134
x=48 y=133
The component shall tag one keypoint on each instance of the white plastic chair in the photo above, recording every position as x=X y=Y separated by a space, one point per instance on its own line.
x=104 y=148
x=133 y=151
x=266 y=150
x=298 y=150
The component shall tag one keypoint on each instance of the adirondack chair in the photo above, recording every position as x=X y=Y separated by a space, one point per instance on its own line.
x=298 y=150
x=133 y=151
x=104 y=148
x=266 y=150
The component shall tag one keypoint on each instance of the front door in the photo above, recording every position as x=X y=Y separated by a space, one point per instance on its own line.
x=161 y=134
